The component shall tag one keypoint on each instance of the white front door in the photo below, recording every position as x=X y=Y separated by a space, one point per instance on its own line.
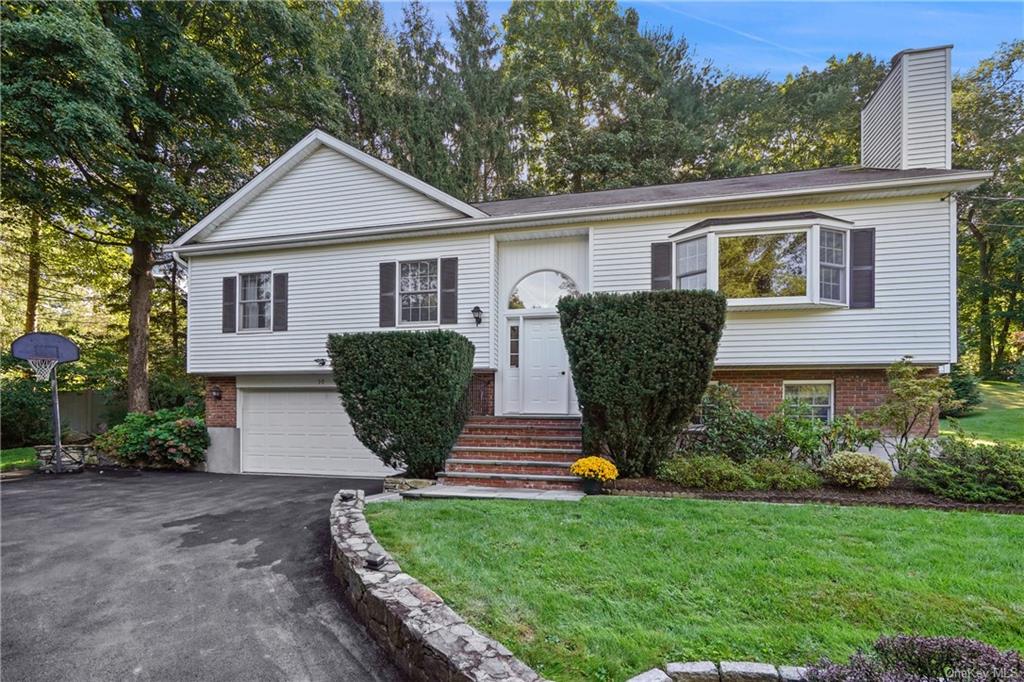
x=545 y=367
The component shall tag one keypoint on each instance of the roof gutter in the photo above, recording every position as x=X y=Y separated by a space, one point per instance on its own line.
x=372 y=233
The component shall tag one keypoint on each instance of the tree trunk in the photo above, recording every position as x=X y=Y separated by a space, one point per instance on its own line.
x=32 y=297
x=140 y=289
x=984 y=310
x=1004 y=331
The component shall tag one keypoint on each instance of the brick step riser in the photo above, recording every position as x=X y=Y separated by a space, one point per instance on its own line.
x=524 y=432
x=468 y=441
x=525 y=421
x=530 y=456
x=513 y=483
x=507 y=469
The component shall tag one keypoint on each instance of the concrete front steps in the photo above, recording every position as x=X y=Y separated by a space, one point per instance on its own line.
x=516 y=452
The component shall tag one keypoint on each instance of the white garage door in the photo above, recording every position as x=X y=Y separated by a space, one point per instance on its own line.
x=302 y=432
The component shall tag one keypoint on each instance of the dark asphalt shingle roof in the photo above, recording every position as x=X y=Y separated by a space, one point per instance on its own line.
x=777 y=182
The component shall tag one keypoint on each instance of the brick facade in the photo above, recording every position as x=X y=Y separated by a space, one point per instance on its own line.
x=760 y=390
x=481 y=392
x=221 y=412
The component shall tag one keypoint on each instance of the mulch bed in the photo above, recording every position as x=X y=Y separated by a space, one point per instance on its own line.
x=900 y=494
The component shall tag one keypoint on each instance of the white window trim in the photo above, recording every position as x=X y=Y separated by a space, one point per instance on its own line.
x=398 y=295
x=812 y=299
x=803 y=382
x=269 y=329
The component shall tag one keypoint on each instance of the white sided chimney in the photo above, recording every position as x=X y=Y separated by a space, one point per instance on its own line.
x=907 y=123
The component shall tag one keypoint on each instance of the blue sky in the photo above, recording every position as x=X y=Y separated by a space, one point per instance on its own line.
x=777 y=38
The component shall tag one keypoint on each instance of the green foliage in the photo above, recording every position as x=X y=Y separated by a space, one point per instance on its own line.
x=18 y=458
x=965 y=391
x=170 y=438
x=640 y=364
x=969 y=471
x=24 y=412
x=732 y=432
x=721 y=474
x=912 y=406
x=405 y=393
x=706 y=472
x=858 y=470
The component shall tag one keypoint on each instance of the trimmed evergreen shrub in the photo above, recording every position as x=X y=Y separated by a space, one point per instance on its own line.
x=405 y=393
x=971 y=472
x=640 y=363
x=170 y=438
x=780 y=474
x=858 y=470
x=965 y=391
x=721 y=474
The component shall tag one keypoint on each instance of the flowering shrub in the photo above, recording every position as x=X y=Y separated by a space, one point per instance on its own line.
x=906 y=658
x=597 y=468
x=858 y=470
x=164 y=439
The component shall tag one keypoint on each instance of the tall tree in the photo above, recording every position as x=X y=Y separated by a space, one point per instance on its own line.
x=988 y=132
x=484 y=144
x=138 y=115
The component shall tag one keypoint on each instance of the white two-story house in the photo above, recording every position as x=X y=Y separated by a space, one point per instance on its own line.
x=831 y=275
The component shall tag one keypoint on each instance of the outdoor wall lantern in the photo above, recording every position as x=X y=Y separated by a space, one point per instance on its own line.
x=478 y=314
x=215 y=392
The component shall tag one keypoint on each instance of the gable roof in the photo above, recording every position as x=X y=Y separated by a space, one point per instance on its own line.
x=300 y=151
x=686 y=191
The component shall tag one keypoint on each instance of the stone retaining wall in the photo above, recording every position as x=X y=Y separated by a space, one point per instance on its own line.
x=426 y=638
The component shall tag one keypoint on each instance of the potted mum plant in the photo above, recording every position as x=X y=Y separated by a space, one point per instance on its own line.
x=595 y=472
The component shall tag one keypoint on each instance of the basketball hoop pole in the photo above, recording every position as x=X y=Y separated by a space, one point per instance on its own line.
x=57 y=452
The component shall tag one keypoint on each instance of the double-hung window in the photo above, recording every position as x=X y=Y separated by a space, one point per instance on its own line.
x=417 y=291
x=785 y=261
x=255 y=300
x=815 y=396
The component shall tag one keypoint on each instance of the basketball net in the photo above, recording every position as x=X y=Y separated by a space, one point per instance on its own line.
x=42 y=367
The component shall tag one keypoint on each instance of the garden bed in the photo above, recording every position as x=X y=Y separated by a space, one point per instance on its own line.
x=898 y=495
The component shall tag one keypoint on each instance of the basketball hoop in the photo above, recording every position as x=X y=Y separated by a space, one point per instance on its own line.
x=43 y=352
x=42 y=367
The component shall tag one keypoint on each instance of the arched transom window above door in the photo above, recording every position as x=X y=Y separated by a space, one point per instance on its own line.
x=541 y=289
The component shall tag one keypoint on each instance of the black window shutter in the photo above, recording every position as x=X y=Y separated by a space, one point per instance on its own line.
x=387 y=294
x=449 y=312
x=227 y=319
x=661 y=265
x=280 y=301
x=862 y=268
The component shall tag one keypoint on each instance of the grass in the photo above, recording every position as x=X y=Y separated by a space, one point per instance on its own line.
x=612 y=586
x=1000 y=417
x=17 y=458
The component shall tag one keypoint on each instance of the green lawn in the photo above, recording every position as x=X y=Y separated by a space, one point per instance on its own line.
x=612 y=586
x=999 y=417
x=17 y=458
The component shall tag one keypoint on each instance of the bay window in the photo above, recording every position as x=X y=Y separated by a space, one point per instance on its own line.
x=788 y=261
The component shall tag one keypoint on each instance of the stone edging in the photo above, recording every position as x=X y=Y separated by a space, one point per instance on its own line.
x=426 y=638
x=726 y=671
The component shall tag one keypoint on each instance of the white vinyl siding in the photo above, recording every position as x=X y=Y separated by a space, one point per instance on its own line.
x=912 y=313
x=881 y=124
x=331 y=290
x=329 y=191
x=927 y=102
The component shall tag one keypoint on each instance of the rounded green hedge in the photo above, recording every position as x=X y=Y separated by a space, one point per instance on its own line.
x=640 y=363
x=405 y=393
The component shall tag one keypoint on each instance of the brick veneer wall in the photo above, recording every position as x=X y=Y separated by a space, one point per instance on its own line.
x=481 y=392
x=760 y=390
x=221 y=412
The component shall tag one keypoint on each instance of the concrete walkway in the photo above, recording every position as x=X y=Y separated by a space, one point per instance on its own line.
x=176 y=576
x=482 y=492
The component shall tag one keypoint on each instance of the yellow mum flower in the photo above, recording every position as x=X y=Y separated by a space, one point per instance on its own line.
x=597 y=468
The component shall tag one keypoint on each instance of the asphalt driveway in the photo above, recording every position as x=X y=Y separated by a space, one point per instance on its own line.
x=173 y=576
